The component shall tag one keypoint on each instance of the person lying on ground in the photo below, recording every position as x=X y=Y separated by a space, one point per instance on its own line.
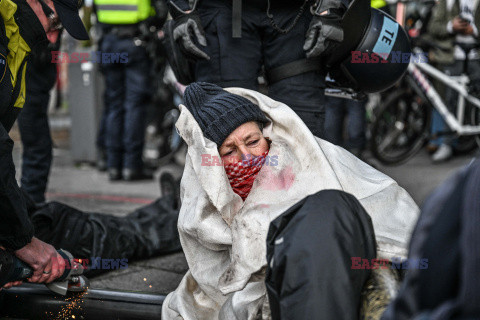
x=249 y=160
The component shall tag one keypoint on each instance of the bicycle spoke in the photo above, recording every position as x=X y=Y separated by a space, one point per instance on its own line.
x=392 y=137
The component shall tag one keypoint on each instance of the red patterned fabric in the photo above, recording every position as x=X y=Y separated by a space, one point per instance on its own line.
x=242 y=174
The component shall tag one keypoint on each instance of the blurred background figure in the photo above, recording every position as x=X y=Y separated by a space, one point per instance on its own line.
x=346 y=116
x=453 y=22
x=127 y=82
x=41 y=75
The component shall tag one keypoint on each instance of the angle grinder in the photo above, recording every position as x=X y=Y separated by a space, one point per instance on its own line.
x=72 y=280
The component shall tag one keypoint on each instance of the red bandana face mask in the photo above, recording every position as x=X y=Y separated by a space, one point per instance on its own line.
x=242 y=174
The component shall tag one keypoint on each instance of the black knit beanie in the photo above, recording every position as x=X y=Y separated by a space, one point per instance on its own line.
x=219 y=112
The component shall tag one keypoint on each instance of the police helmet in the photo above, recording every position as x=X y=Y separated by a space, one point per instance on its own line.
x=375 y=52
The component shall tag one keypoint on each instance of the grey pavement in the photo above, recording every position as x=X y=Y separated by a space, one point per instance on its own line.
x=420 y=177
x=83 y=187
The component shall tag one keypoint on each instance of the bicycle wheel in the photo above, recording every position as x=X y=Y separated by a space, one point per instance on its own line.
x=401 y=127
x=475 y=121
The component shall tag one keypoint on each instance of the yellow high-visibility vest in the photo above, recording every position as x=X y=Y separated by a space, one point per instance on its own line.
x=18 y=50
x=377 y=4
x=123 y=11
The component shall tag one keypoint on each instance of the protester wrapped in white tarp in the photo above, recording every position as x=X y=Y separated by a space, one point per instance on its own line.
x=224 y=238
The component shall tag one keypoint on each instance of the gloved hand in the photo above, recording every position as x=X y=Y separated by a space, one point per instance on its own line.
x=186 y=26
x=161 y=14
x=324 y=32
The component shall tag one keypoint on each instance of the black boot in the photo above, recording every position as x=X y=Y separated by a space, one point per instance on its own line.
x=114 y=174
x=101 y=160
x=136 y=174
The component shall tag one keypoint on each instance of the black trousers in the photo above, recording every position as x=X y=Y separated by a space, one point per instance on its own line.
x=128 y=89
x=309 y=253
x=237 y=62
x=35 y=131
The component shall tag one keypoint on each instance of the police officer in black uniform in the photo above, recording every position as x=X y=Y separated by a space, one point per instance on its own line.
x=128 y=83
x=231 y=43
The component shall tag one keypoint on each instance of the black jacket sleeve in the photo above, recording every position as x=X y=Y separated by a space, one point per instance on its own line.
x=16 y=230
x=447 y=235
x=161 y=13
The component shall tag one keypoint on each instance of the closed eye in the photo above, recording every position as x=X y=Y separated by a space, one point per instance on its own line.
x=254 y=142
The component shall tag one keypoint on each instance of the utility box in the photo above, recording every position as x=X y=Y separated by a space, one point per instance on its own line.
x=85 y=101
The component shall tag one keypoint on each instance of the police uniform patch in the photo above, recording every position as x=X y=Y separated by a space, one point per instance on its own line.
x=3 y=66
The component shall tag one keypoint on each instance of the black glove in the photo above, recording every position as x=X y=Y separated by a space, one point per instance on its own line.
x=186 y=26
x=161 y=13
x=324 y=33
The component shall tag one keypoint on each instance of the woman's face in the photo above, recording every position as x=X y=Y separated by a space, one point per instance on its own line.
x=246 y=140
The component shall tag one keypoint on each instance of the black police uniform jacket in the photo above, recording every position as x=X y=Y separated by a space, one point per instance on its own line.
x=20 y=33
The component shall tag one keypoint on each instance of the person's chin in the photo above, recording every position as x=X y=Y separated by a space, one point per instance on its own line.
x=52 y=36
